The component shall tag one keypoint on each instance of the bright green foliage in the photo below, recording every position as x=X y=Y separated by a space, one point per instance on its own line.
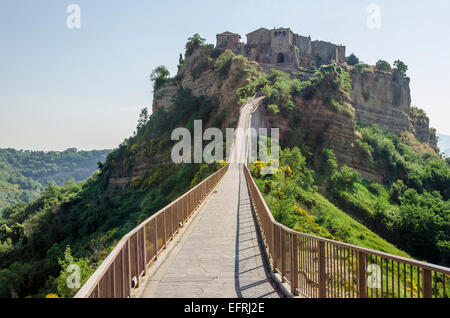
x=383 y=66
x=278 y=87
x=193 y=43
x=273 y=109
x=223 y=62
x=412 y=208
x=332 y=78
x=159 y=76
x=67 y=273
x=344 y=179
x=425 y=172
x=293 y=198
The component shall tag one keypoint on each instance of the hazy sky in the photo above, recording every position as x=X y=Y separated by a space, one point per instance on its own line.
x=83 y=88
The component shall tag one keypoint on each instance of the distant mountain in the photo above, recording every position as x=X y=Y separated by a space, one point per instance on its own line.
x=24 y=174
x=444 y=144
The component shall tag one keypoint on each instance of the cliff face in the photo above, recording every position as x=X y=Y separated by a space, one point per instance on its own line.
x=384 y=99
x=381 y=98
x=314 y=124
x=377 y=97
x=420 y=127
x=197 y=75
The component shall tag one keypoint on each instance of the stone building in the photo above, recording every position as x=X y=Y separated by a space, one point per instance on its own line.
x=229 y=40
x=282 y=47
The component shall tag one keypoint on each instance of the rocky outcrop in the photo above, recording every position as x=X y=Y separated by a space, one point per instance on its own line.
x=420 y=127
x=381 y=98
x=197 y=74
x=315 y=125
x=384 y=99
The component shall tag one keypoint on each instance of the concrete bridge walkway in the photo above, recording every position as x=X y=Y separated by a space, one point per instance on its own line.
x=219 y=253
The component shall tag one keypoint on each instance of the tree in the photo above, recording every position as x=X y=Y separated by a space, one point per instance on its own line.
x=345 y=179
x=143 y=119
x=397 y=189
x=180 y=61
x=383 y=65
x=69 y=271
x=194 y=42
x=159 y=76
x=352 y=60
x=400 y=67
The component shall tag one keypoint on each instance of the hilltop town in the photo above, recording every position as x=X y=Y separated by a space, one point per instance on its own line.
x=283 y=48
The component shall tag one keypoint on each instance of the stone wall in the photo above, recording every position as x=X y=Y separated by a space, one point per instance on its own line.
x=325 y=53
x=282 y=46
x=229 y=40
x=258 y=38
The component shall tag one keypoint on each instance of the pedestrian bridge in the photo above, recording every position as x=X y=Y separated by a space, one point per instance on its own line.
x=220 y=240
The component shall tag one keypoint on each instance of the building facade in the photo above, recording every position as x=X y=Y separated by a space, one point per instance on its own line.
x=282 y=47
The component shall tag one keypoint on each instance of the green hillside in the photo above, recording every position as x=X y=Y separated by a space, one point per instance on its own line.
x=410 y=208
x=91 y=216
x=25 y=174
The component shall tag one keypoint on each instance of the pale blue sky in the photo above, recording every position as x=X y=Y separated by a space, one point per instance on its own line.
x=83 y=88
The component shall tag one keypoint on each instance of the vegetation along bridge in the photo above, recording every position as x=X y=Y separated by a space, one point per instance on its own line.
x=221 y=240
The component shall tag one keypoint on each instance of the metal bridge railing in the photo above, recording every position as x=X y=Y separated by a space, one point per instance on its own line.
x=319 y=267
x=124 y=267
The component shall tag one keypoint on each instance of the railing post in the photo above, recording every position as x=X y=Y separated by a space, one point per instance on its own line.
x=129 y=266
x=362 y=275
x=155 y=240
x=114 y=280
x=273 y=246
x=123 y=280
x=144 y=248
x=283 y=255
x=322 y=271
x=426 y=283
x=138 y=258
x=294 y=264
x=165 y=230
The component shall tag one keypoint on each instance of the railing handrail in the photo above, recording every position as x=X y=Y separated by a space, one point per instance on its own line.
x=329 y=270
x=87 y=289
x=402 y=259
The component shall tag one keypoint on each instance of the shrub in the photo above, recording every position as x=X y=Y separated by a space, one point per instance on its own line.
x=86 y=270
x=159 y=77
x=273 y=109
x=223 y=62
x=361 y=67
x=193 y=43
x=345 y=179
x=400 y=67
x=383 y=66
x=352 y=60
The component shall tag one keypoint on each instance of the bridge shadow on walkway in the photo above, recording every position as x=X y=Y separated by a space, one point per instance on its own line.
x=252 y=276
x=219 y=255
